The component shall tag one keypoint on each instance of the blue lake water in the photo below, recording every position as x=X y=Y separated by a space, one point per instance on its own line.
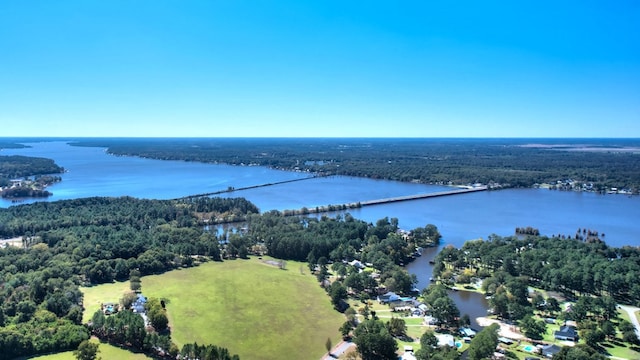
x=93 y=172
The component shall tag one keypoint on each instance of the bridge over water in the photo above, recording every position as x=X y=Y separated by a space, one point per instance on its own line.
x=423 y=196
x=355 y=205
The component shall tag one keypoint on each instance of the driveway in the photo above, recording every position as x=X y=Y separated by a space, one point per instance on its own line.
x=338 y=350
x=631 y=310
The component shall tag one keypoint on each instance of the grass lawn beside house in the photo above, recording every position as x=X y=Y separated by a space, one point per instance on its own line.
x=104 y=293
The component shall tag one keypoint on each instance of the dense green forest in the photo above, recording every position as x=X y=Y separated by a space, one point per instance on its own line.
x=96 y=240
x=604 y=163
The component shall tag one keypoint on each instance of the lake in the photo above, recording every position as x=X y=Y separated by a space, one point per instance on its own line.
x=93 y=172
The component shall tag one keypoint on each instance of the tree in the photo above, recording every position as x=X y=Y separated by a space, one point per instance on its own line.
x=397 y=327
x=608 y=329
x=86 y=351
x=553 y=305
x=533 y=328
x=465 y=320
x=484 y=343
x=446 y=311
x=374 y=341
x=134 y=280
x=630 y=337
x=159 y=320
x=338 y=293
x=327 y=345
x=345 y=329
x=538 y=302
x=578 y=352
x=594 y=337
x=428 y=344
x=128 y=299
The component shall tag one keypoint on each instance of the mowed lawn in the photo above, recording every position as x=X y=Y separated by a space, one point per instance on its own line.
x=106 y=352
x=253 y=308
x=95 y=295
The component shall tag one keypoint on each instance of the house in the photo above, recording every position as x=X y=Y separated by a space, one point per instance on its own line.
x=138 y=304
x=423 y=308
x=467 y=332
x=388 y=297
x=550 y=350
x=408 y=355
x=566 y=333
x=445 y=340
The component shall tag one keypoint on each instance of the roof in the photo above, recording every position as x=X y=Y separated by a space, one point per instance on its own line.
x=551 y=349
x=566 y=331
x=445 y=339
x=390 y=296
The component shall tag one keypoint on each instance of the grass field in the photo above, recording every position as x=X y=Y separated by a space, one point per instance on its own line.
x=254 y=309
x=106 y=352
x=95 y=295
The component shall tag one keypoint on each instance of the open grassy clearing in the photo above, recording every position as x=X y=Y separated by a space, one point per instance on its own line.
x=95 y=295
x=250 y=307
x=106 y=352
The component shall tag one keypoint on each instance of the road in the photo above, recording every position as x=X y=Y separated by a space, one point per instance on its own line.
x=631 y=310
x=338 y=350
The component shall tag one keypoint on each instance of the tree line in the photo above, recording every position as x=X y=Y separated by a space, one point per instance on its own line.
x=507 y=162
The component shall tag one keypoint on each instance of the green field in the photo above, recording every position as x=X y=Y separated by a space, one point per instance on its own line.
x=106 y=352
x=95 y=295
x=253 y=308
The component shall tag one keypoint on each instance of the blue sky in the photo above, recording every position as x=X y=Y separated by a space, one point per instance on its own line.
x=320 y=68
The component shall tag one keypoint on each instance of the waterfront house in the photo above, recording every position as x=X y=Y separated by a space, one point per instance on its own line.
x=467 y=332
x=388 y=297
x=566 y=333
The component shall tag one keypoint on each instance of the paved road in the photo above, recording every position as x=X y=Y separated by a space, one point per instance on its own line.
x=631 y=310
x=338 y=350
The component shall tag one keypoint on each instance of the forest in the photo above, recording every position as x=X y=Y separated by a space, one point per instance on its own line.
x=605 y=163
x=97 y=240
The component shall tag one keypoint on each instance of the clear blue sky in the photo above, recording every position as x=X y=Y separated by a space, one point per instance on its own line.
x=320 y=68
